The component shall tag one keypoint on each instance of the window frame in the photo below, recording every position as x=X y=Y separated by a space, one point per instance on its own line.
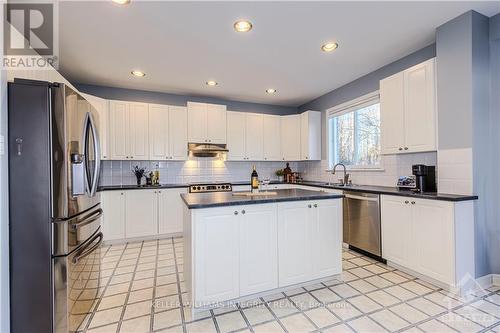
x=341 y=109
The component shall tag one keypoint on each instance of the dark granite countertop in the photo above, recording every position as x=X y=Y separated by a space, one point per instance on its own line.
x=357 y=188
x=394 y=191
x=221 y=199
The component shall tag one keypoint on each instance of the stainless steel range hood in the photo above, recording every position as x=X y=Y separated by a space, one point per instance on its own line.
x=206 y=149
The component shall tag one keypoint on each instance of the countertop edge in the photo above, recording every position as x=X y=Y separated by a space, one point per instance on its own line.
x=260 y=201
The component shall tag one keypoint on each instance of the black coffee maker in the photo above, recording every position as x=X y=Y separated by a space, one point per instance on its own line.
x=425 y=177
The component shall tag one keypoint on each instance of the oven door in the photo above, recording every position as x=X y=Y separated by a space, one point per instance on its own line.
x=76 y=284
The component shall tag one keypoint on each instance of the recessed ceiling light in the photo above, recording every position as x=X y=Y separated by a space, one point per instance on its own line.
x=138 y=73
x=271 y=91
x=121 y=2
x=329 y=47
x=242 y=26
x=211 y=83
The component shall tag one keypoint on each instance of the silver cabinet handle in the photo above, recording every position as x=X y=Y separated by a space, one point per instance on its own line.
x=406 y=148
x=309 y=206
x=315 y=205
x=243 y=211
x=400 y=148
x=413 y=202
x=235 y=212
x=407 y=202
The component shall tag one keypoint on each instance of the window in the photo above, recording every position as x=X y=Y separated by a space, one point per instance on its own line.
x=354 y=133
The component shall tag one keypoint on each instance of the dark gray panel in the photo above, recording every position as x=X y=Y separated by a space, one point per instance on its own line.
x=30 y=224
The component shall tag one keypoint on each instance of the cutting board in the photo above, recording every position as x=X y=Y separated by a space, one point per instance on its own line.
x=250 y=194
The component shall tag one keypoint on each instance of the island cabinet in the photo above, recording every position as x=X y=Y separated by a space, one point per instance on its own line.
x=237 y=251
x=432 y=238
x=309 y=240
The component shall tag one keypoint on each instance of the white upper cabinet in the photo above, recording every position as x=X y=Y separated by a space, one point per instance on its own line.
x=101 y=106
x=236 y=125
x=139 y=131
x=119 y=130
x=206 y=123
x=245 y=139
x=272 y=138
x=254 y=139
x=158 y=132
x=290 y=138
x=129 y=130
x=167 y=132
x=408 y=110
x=310 y=135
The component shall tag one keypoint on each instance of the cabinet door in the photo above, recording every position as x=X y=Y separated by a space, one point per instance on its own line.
x=197 y=122
x=326 y=238
x=433 y=234
x=254 y=137
x=118 y=130
x=158 y=132
x=170 y=208
x=177 y=131
x=236 y=136
x=396 y=225
x=141 y=213
x=101 y=106
x=290 y=137
x=138 y=136
x=216 y=254
x=310 y=135
x=294 y=246
x=258 y=249
x=113 y=221
x=392 y=123
x=272 y=138
x=216 y=123
x=420 y=111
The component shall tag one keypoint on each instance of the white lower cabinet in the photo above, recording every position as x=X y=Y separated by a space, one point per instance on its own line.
x=141 y=213
x=113 y=206
x=309 y=240
x=432 y=238
x=216 y=256
x=258 y=249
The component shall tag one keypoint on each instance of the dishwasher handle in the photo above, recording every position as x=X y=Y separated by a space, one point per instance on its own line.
x=359 y=197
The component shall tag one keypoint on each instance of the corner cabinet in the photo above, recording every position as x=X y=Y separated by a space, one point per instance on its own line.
x=167 y=132
x=408 y=110
x=101 y=106
x=310 y=136
x=206 y=123
x=128 y=130
x=141 y=213
x=432 y=238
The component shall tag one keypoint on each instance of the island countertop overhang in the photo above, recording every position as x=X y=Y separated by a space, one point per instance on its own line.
x=222 y=199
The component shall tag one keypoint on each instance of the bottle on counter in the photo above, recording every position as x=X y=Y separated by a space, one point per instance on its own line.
x=254 y=182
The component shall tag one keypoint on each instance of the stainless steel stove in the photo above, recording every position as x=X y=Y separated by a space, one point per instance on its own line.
x=204 y=188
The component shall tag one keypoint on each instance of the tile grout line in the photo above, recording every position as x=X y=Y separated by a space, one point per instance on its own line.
x=179 y=291
x=153 y=299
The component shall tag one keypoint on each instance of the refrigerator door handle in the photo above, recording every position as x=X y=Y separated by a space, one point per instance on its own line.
x=88 y=250
x=94 y=181
x=88 y=219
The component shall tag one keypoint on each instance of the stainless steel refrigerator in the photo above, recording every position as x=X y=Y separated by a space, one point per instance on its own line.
x=55 y=210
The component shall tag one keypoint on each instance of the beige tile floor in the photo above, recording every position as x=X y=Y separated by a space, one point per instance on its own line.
x=143 y=291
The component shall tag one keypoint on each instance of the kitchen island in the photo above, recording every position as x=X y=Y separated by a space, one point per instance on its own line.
x=238 y=247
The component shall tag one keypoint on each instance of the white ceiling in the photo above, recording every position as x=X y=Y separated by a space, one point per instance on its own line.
x=182 y=45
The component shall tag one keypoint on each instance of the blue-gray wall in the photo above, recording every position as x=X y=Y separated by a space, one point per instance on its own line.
x=368 y=83
x=180 y=100
x=466 y=120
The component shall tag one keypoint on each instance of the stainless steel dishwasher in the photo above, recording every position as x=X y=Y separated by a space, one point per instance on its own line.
x=362 y=221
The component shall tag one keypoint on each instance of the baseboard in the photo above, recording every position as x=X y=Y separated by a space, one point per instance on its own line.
x=140 y=239
x=488 y=281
